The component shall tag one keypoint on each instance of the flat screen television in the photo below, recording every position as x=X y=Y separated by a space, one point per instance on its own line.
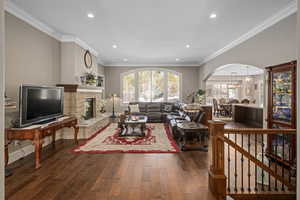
x=39 y=104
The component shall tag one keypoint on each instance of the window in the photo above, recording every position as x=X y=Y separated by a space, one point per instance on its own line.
x=151 y=86
x=173 y=86
x=232 y=93
x=128 y=88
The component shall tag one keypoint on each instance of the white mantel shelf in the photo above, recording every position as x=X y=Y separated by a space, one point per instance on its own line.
x=81 y=88
x=88 y=88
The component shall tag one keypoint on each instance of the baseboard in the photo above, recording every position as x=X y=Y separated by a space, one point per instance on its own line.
x=26 y=150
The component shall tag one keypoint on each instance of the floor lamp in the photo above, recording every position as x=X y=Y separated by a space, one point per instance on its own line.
x=113 y=106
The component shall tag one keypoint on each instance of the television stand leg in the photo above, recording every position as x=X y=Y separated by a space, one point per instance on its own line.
x=38 y=144
x=53 y=139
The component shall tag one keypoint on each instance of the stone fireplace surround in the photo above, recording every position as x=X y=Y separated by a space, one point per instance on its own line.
x=74 y=104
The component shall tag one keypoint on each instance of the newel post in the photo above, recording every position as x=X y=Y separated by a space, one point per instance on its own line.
x=217 y=178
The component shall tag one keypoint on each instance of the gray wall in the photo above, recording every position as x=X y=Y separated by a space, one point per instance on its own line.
x=72 y=63
x=274 y=45
x=32 y=57
x=2 y=78
x=189 y=78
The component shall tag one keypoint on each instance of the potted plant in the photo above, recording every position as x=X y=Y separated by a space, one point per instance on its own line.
x=91 y=79
x=200 y=94
x=197 y=97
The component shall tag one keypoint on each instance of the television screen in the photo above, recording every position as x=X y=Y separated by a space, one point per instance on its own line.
x=38 y=104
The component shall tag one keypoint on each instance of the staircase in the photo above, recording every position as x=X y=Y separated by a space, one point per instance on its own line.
x=241 y=169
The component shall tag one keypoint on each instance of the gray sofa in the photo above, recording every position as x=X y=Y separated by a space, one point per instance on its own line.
x=155 y=111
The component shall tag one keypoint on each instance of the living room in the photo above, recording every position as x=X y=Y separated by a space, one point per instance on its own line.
x=99 y=104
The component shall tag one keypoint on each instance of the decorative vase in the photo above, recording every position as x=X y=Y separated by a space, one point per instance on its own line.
x=83 y=80
x=201 y=99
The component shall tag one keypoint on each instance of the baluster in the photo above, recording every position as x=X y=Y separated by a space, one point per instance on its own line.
x=255 y=188
x=235 y=165
x=228 y=165
x=242 y=164
x=290 y=179
x=249 y=174
x=262 y=159
x=282 y=167
x=269 y=176
x=276 y=146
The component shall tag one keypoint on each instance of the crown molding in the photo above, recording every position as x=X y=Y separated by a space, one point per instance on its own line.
x=13 y=9
x=78 y=41
x=100 y=61
x=150 y=65
x=285 y=12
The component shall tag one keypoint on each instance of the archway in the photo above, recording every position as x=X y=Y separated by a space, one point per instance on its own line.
x=235 y=83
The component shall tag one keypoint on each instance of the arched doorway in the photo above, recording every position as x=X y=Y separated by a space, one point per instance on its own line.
x=236 y=83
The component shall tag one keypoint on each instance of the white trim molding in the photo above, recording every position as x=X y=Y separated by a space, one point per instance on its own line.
x=152 y=65
x=13 y=9
x=287 y=11
x=78 y=41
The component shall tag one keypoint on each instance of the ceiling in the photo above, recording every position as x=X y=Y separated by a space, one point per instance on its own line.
x=237 y=70
x=153 y=32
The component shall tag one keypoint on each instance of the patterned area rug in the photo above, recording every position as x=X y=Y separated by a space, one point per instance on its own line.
x=157 y=140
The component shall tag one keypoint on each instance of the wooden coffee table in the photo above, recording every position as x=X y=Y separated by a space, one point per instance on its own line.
x=187 y=129
x=134 y=127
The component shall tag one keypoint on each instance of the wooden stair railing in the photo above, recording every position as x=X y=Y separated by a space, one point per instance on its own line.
x=240 y=168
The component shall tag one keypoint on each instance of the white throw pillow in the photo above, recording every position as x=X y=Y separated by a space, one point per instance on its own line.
x=134 y=108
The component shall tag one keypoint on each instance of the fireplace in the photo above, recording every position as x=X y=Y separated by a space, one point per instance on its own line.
x=89 y=108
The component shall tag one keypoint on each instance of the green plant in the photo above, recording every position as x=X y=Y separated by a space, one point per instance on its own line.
x=200 y=92
x=90 y=78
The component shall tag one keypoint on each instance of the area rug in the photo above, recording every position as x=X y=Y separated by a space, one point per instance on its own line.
x=157 y=140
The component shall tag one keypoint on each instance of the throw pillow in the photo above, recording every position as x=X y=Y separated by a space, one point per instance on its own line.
x=134 y=108
x=168 y=108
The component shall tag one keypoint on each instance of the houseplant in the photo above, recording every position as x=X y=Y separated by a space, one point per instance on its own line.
x=91 y=79
x=197 y=97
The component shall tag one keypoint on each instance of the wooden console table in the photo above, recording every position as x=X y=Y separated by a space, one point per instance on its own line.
x=37 y=135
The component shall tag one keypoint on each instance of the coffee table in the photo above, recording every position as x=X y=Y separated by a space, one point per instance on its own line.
x=134 y=126
x=187 y=129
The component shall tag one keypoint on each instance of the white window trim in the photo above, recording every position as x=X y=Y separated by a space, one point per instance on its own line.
x=136 y=71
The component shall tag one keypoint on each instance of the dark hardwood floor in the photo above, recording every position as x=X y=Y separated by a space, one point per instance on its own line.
x=69 y=176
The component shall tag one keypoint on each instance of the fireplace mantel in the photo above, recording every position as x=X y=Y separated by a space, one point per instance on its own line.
x=80 y=88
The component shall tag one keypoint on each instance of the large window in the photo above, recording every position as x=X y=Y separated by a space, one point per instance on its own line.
x=151 y=85
x=129 y=87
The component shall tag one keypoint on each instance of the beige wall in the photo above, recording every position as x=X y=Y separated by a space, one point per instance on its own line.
x=32 y=57
x=100 y=69
x=189 y=78
x=274 y=45
x=2 y=83
x=72 y=63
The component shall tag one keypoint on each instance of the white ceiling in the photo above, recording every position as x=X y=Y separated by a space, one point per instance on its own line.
x=153 y=32
x=237 y=70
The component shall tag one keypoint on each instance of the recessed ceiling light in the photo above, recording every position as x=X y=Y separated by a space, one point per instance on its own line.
x=125 y=59
x=114 y=46
x=177 y=59
x=91 y=15
x=213 y=15
x=187 y=46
